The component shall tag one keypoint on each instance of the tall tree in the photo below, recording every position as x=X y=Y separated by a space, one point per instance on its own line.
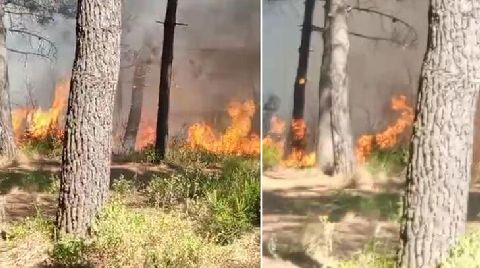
x=7 y=137
x=439 y=170
x=161 y=140
x=301 y=78
x=135 y=114
x=338 y=47
x=85 y=173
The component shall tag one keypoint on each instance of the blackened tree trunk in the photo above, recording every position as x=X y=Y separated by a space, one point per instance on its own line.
x=343 y=152
x=135 y=114
x=7 y=137
x=161 y=141
x=324 y=155
x=85 y=173
x=439 y=170
x=301 y=77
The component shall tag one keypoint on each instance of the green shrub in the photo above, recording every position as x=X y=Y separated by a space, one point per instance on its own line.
x=69 y=251
x=33 y=182
x=188 y=184
x=38 y=225
x=123 y=187
x=234 y=200
x=271 y=156
x=391 y=161
x=189 y=157
x=50 y=146
x=466 y=253
x=374 y=255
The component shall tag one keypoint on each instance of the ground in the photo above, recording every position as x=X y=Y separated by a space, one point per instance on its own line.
x=359 y=211
x=27 y=190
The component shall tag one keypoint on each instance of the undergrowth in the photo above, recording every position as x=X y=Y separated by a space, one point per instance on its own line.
x=392 y=161
x=271 y=156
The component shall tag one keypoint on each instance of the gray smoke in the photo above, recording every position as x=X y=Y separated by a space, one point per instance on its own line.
x=216 y=56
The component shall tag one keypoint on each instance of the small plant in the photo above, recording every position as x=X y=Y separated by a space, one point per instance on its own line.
x=392 y=161
x=123 y=187
x=69 y=251
x=374 y=255
x=466 y=253
x=271 y=156
x=49 y=145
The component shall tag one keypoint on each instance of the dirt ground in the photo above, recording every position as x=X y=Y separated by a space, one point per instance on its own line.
x=293 y=200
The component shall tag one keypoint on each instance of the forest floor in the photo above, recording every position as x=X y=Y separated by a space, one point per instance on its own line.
x=29 y=191
x=363 y=212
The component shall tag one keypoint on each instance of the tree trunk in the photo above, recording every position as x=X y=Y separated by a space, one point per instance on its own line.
x=7 y=137
x=439 y=170
x=343 y=156
x=85 y=172
x=301 y=77
x=324 y=155
x=161 y=141
x=135 y=114
x=118 y=127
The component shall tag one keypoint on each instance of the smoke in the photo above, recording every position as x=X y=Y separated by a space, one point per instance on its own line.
x=377 y=70
x=216 y=56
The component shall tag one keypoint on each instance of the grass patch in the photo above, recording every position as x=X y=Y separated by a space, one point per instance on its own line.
x=49 y=146
x=466 y=253
x=382 y=205
x=392 y=161
x=374 y=255
x=271 y=156
x=33 y=182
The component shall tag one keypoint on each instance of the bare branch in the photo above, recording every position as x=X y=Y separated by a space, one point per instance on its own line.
x=26 y=53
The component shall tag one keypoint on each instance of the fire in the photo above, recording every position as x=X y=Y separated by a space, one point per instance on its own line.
x=146 y=134
x=237 y=138
x=275 y=137
x=37 y=123
x=389 y=137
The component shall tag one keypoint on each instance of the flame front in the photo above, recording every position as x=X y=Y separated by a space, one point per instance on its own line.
x=237 y=138
x=389 y=137
x=297 y=157
x=37 y=123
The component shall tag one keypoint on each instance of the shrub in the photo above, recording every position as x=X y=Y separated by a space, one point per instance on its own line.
x=189 y=157
x=391 y=161
x=374 y=255
x=69 y=251
x=271 y=156
x=466 y=253
x=234 y=200
x=49 y=146
x=123 y=187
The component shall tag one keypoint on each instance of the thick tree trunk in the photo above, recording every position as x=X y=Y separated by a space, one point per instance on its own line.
x=118 y=123
x=343 y=153
x=85 y=173
x=301 y=77
x=324 y=155
x=7 y=137
x=439 y=171
x=161 y=141
x=135 y=114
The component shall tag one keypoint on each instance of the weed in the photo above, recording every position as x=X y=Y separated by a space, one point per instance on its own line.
x=391 y=161
x=466 y=253
x=271 y=156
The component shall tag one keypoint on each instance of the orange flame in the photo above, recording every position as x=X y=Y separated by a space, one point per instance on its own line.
x=37 y=123
x=298 y=157
x=237 y=138
x=146 y=134
x=389 y=137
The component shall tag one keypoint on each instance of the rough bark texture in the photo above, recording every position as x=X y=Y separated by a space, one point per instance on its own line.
x=135 y=114
x=7 y=137
x=85 y=172
x=301 y=77
x=118 y=120
x=161 y=141
x=438 y=176
x=324 y=155
x=343 y=156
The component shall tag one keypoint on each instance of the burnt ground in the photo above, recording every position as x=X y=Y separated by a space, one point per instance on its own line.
x=360 y=212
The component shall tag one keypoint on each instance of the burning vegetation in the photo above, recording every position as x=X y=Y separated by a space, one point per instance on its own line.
x=37 y=124
x=389 y=137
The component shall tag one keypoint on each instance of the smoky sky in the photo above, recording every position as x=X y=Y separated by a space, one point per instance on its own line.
x=377 y=70
x=216 y=56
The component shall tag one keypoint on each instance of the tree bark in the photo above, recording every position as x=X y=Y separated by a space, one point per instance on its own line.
x=161 y=140
x=118 y=126
x=343 y=153
x=85 y=172
x=301 y=77
x=324 y=155
x=135 y=115
x=7 y=137
x=439 y=170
